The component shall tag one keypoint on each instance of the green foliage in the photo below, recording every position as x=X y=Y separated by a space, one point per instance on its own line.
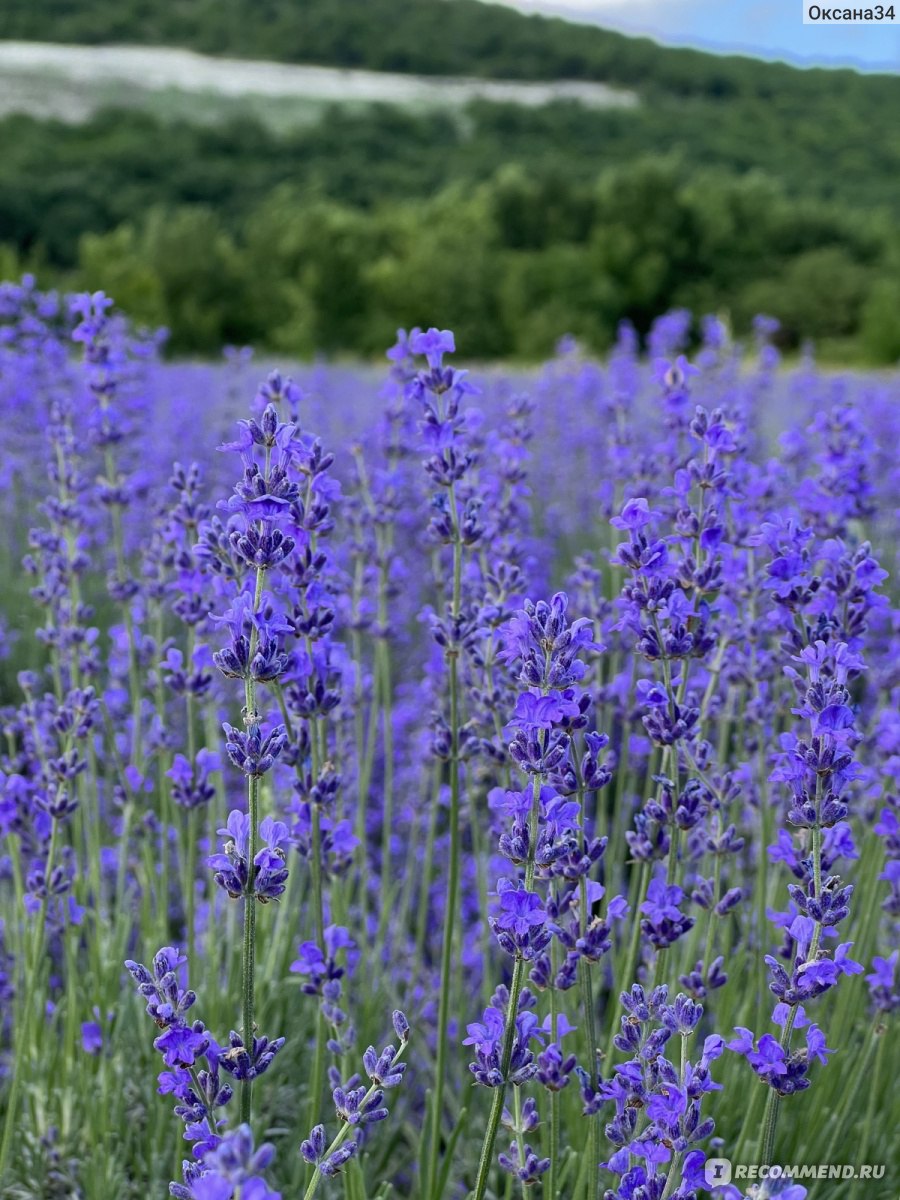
x=559 y=289
x=10 y=264
x=440 y=256
x=510 y=265
x=733 y=185
x=818 y=294
x=429 y=37
x=179 y=269
x=880 y=332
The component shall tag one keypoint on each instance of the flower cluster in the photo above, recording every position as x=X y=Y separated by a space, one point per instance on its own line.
x=358 y=1106
x=432 y=791
x=670 y=1094
x=265 y=878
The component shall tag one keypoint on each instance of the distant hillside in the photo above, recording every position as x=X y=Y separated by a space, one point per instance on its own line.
x=75 y=82
x=731 y=185
x=826 y=132
x=432 y=37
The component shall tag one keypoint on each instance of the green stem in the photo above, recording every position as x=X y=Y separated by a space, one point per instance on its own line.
x=552 y=1180
x=248 y=955
x=318 y=1077
x=452 y=896
x=341 y=1136
x=134 y=678
x=164 y=792
x=627 y=977
x=22 y=1039
x=770 y=1119
x=248 y=958
x=840 y=1116
x=672 y=1177
x=871 y=1107
x=190 y=851
x=384 y=686
x=711 y=920
x=520 y=1137
x=512 y=1011
x=490 y=1137
x=449 y=930
x=749 y=1123
x=672 y=867
x=587 y=993
x=359 y=730
x=427 y=868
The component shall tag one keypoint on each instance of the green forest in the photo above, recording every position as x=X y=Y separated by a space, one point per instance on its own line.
x=733 y=186
x=430 y=37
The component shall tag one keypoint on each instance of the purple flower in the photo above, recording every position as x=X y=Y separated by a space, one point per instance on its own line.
x=882 y=983
x=434 y=345
x=541 y=712
x=91 y=1037
x=520 y=910
x=769 y=1058
x=487 y=1033
x=635 y=515
x=815 y=1045
x=268 y=876
x=180 y=1045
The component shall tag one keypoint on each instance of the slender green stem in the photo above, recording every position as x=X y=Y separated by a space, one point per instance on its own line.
x=452 y=895
x=770 y=1119
x=871 y=1108
x=627 y=977
x=552 y=1174
x=672 y=867
x=134 y=678
x=22 y=1037
x=427 y=868
x=613 y=860
x=587 y=995
x=587 y=992
x=512 y=1011
x=318 y=1076
x=385 y=689
x=762 y=889
x=749 y=1123
x=490 y=1137
x=164 y=794
x=840 y=1116
x=190 y=850
x=449 y=928
x=341 y=1136
x=190 y=874
x=316 y=873
x=711 y=919
x=248 y=950
x=672 y=1176
x=360 y=735
x=520 y=1136
x=248 y=958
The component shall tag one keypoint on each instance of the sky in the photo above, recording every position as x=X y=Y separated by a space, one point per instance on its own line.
x=766 y=28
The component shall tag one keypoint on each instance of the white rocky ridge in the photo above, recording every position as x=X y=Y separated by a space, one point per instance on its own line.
x=71 y=82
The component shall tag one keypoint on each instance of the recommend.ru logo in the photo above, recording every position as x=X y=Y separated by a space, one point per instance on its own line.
x=717 y=1172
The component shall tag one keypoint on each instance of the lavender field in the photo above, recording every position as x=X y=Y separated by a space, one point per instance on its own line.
x=441 y=784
